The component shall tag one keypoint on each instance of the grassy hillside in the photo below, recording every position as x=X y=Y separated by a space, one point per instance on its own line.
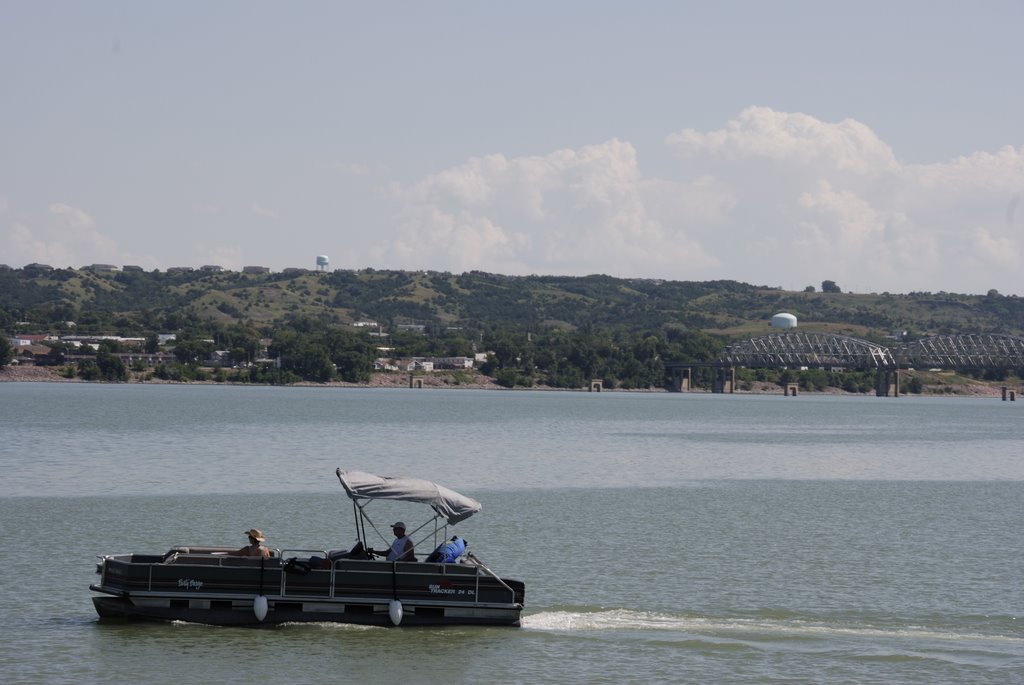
x=476 y=301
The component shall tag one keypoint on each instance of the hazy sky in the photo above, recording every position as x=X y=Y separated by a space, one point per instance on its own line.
x=876 y=144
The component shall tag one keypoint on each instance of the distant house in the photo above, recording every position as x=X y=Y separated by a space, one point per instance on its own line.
x=417 y=364
x=35 y=266
x=155 y=359
x=295 y=271
x=131 y=267
x=218 y=358
x=100 y=268
x=452 y=362
x=32 y=339
x=127 y=358
x=212 y=268
x=426 y=364
x=412 y=327
x=27 y=355
x=95 y=340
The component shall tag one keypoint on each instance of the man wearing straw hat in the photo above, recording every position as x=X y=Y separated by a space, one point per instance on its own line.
x=255 y=547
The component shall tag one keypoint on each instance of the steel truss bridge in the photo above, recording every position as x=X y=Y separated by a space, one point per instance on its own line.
x=823 y=350
x=819 y=350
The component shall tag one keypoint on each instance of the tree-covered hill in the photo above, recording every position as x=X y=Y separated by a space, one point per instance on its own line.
x=135 y=301
x=550 y=330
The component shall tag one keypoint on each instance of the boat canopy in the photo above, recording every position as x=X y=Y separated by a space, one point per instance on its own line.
x=448 y=504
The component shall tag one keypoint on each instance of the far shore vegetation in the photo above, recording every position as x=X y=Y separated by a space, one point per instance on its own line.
x=355 y=327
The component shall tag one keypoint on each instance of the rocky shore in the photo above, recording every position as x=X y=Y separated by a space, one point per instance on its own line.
x=24 y=374
x=962 y=388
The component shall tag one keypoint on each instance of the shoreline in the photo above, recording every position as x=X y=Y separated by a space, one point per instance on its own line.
x=36 y=374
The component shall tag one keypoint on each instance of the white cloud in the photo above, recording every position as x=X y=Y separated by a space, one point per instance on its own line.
x=993 y=250
x=259 y=210
x=27 y=246
x=65 y=236
x=571 y=211
x=227 y=256
x=846 y=221
x=791 y=137
x=73 y=217
x=770 y=198
x=835 y=197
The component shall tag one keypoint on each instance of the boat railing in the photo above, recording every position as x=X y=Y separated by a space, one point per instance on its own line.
x=298 y=563
x=288 y=552
x=201 y=549
x=480 y=565
x=212 y=556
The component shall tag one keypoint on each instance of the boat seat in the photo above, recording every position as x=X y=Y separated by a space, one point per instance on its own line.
x=246 y=561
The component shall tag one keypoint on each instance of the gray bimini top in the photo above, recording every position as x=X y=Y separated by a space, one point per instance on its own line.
x=448 y=504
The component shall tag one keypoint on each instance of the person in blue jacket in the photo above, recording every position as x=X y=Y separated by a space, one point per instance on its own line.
x=449 y=551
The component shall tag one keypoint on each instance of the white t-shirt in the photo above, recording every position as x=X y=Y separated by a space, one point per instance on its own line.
x=397 y=548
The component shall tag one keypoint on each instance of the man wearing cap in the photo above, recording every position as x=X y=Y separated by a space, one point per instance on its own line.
x=402 y=547
x=255 y=547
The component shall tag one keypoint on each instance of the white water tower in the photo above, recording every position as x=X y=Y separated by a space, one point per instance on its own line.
x=321 y=262
x=783 y=320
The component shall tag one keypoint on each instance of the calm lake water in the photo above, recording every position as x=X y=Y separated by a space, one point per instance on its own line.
x=662 y=537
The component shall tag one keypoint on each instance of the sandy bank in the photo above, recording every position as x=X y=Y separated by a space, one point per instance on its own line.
x=479 y=382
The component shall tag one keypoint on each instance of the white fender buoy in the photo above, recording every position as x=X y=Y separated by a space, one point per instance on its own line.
x=259 y=607
x=395 y=611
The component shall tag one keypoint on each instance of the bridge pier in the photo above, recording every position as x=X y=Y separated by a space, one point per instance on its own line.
x=681 y=379
x=886 y=380
x=724 y=381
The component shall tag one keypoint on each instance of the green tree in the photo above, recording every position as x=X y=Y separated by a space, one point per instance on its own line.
x=6 y=351
x=913 y=385
x=192 y=350
x=110 y=346
x=830 y=287
x=89 y=371
x=310 y=361
x=111 y=368
x=354 y=366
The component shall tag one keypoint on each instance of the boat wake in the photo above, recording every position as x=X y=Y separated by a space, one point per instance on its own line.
x=755 y=629
x=329 y=625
